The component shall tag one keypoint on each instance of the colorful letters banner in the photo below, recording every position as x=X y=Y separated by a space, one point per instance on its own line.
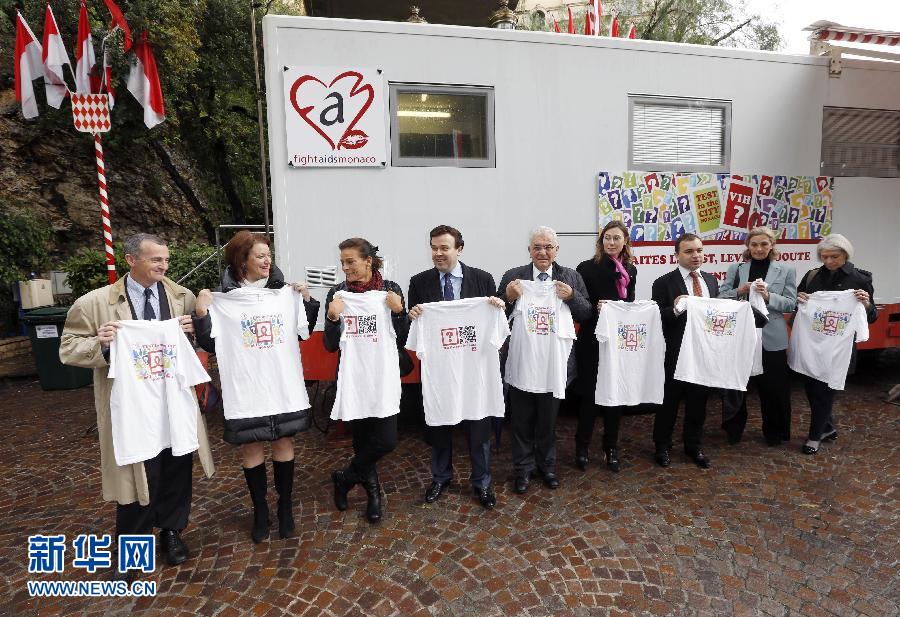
x=659 y=207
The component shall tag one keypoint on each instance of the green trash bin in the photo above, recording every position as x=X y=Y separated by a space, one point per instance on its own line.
x=44 y=328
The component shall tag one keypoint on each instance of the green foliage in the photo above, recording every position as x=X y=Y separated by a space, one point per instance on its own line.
x=23 y=249
x=87 y=269
x=702 y=22
x=184 y=259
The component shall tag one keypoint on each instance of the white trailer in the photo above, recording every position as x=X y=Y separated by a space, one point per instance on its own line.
x=560 y=116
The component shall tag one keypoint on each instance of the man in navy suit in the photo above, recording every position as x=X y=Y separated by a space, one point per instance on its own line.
x=686 y=280
x=450 y=279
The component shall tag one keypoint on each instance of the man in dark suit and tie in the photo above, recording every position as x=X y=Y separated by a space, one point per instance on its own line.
x=686 y=280
x=450 y=279
x=533 y=414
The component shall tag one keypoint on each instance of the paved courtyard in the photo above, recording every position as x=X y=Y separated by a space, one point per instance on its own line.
x=766 y=531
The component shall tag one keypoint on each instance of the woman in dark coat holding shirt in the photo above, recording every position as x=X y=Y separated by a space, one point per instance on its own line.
x=609 y=275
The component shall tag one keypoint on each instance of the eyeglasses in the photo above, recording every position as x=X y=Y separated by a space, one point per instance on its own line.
x=537 y=248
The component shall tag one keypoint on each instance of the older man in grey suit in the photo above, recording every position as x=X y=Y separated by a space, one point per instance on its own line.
x=775 y=282
x=534 y=414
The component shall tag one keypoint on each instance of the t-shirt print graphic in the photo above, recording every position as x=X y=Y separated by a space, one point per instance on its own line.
x=262 y=331
x=631 y=337
x=459 y=337
x=720 y=323
x=540 y=320
x=361 y=326
x=154 y=362
x=830 y=323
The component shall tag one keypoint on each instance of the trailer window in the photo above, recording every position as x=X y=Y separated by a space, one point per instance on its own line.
x=678 y=134
x=860 y=142
x=442 y=126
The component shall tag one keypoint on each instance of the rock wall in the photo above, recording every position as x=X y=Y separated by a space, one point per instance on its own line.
x=51 y=173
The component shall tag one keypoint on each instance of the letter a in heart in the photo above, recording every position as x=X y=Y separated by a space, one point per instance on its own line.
x=322 y=106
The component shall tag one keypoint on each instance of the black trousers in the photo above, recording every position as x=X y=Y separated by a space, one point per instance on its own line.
x=534 y=431
x=694 y=413
x=774 y=387
x=373 y=438
x=587 y=414
x=169 y=482
x=821 y=403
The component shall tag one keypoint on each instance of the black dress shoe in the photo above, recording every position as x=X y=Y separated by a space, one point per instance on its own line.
x=581 y=460
x=434 y=491
x=173 y=547
x=832 y=436
x=486 y=497
x=773 y=441
x=612 y=460
x=699 y=459
x=520 y=485
x=662 y=458
x=551 y=481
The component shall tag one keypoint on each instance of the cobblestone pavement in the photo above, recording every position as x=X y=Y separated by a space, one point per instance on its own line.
x=766 y=531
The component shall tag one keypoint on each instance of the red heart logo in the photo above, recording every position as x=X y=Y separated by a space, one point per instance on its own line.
x=351 y=138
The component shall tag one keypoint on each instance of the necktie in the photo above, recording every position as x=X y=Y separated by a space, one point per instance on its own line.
x=543 y=276
x=698 y=291
x=448 y=287
x=148 y=308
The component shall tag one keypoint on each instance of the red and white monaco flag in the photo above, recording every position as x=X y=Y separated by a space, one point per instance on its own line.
x=632 y=32
x=28 y=66
x=54 y=58
x=597 y=8
x=143 y=83
x=118 y=21
x=84 y=53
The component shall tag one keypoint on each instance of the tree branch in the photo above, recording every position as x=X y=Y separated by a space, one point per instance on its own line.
x=730 y=32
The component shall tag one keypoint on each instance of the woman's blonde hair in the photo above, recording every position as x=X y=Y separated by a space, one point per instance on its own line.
x=762 y=231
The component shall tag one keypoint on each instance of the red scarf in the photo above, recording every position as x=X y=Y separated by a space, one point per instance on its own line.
x=376 y=283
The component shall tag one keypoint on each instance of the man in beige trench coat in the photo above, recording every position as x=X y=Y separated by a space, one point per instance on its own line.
x=156 y=492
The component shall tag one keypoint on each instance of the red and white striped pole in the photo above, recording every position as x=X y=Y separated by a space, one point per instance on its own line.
x=104 y=211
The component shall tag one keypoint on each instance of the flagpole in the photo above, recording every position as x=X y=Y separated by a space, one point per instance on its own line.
x=259 y=118
x=104 y=211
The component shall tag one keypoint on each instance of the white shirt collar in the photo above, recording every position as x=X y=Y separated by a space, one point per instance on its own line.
x=685 y=273
x=535 y=272
x=137 y=288
x=456 y=272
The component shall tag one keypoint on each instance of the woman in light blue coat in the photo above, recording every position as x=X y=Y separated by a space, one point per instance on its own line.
x=776 y=283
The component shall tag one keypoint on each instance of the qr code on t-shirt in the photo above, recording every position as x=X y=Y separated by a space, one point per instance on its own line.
x=467 y=335
x=367 y=324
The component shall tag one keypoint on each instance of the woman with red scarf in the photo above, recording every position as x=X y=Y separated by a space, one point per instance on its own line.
x=373 y=437
x=609 y=275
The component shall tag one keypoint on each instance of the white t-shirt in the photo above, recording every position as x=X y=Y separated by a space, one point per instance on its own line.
x=631 y=369
x=154 y=368
x=257 y=351
x=459 y=345
x=719 y=343
x=757 y=302
x=823 y=333
x=368 y=383
x=542 y=337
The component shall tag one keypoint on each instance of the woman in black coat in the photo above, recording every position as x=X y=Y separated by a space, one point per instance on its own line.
x=836 y=274
x=250 y=265
x=373 y=437
x=609 y=275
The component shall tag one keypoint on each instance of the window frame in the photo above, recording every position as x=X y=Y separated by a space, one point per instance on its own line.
x=414 y=161
x=645 y=99
x=859 y=171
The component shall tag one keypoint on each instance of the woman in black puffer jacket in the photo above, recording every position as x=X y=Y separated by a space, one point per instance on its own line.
x=250 y=265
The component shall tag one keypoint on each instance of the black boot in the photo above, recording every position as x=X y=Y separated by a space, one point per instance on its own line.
x=344 y=480
x=256 y=482
x=284 y=484
x=612 y=459
x=373 y=490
